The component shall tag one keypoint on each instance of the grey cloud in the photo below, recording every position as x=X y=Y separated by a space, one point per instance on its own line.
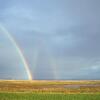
x=67 y=29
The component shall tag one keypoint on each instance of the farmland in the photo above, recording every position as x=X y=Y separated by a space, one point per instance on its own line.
x=49 y=90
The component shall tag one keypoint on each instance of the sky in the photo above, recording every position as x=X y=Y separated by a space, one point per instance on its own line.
x=60 y=39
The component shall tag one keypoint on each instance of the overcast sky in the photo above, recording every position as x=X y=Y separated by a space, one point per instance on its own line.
x=59 y=38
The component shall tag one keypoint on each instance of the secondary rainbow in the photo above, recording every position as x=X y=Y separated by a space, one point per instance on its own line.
x=10 y=37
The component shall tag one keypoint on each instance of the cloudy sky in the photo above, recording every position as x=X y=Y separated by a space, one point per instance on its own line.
x=60 y=39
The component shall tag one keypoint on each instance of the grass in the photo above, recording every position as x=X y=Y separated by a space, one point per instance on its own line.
x=46 y=96
x=50 y=86
x=49 y=90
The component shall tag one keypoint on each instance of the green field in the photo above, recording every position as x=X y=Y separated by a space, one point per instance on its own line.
x=46 y=96
x=49 y=90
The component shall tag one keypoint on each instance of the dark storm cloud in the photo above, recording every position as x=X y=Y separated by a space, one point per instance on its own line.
x=80 y=41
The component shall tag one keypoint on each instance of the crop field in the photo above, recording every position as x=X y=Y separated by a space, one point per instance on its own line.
x=49 y=90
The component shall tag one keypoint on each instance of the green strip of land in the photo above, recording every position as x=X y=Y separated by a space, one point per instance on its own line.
x=40 y=96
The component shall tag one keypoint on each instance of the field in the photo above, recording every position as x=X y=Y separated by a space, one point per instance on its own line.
x=49 y=90
x=46 y=96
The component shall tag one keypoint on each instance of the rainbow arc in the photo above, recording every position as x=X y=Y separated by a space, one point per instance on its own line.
x=19 y=51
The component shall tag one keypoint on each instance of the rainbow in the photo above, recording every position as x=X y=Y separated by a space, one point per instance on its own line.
x=19 y=51
x=52 y=61
x=53 y=64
